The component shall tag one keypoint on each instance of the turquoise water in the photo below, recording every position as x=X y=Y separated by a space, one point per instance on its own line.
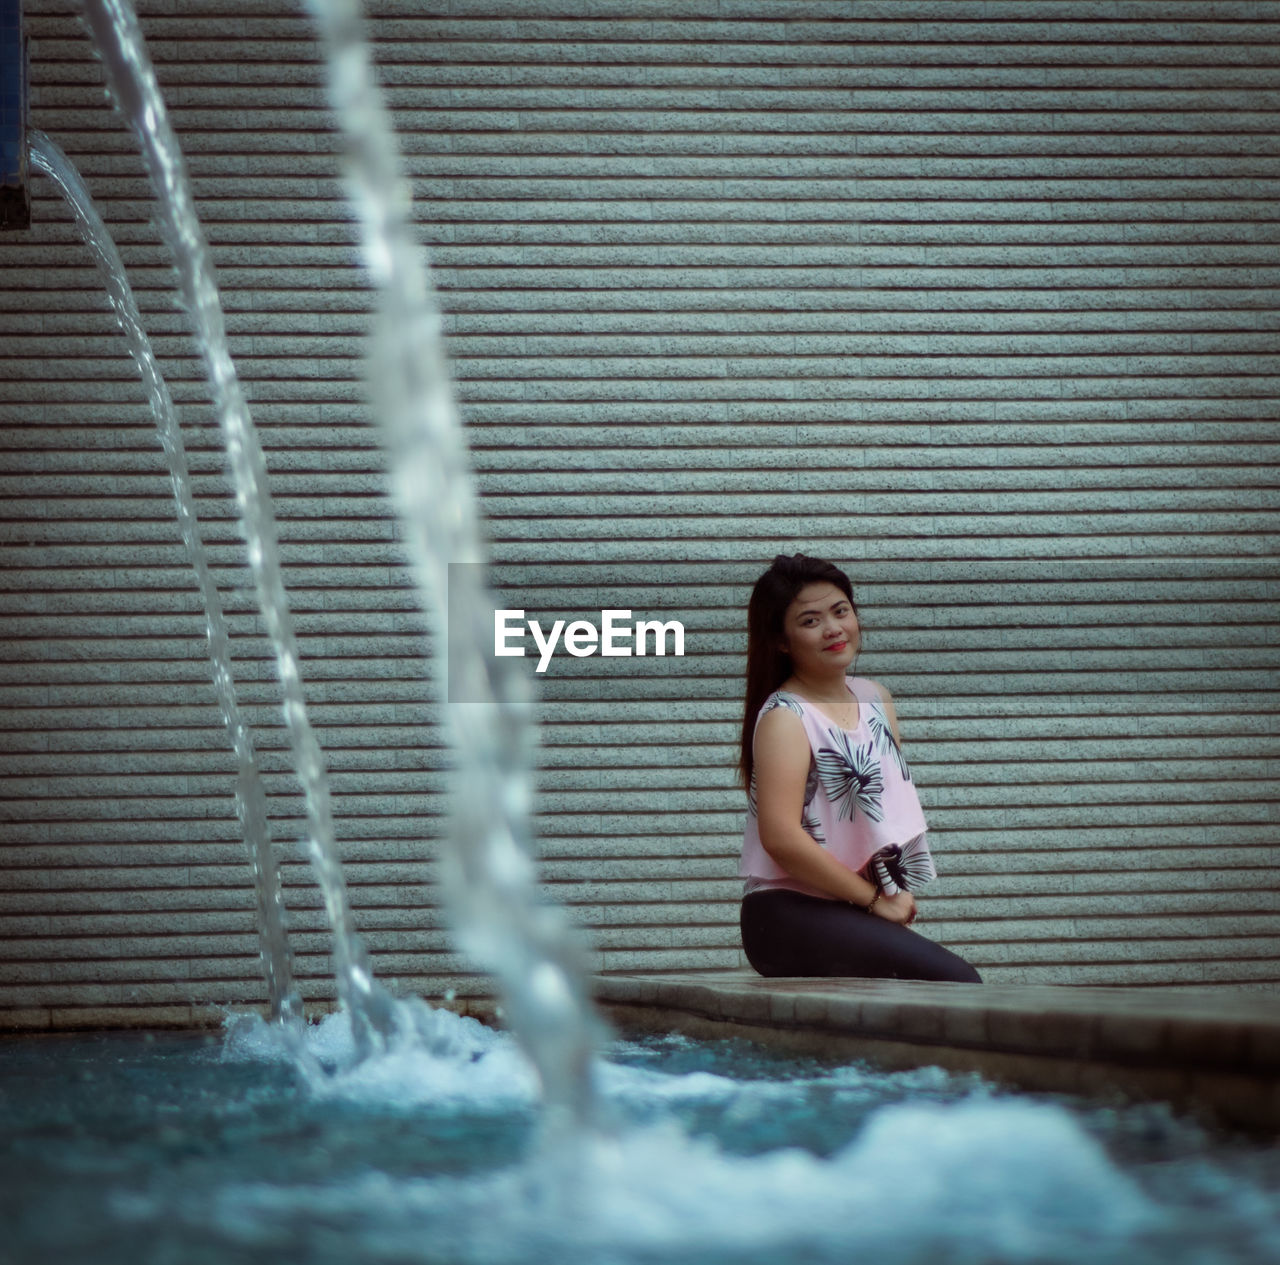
x=190 y=1148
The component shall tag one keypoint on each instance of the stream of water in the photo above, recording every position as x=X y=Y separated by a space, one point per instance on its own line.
x=488 y=870
x=490 y=880
x=251 y=802
x=133 y=85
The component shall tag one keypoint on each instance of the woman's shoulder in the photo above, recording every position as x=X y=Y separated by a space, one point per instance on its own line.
x=865 y=690
x=780 y=701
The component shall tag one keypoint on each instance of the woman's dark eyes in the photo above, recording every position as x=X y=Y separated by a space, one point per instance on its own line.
x=809 y=622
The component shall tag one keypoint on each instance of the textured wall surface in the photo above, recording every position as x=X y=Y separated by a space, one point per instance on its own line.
x=978 y=299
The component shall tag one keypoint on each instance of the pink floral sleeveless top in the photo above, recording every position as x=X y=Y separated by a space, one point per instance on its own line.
x=859 y=800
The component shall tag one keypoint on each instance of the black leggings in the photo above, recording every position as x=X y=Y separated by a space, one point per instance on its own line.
x=789 y=933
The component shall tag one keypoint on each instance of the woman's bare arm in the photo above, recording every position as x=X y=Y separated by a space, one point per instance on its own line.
x=890 y=711
x=781 y=770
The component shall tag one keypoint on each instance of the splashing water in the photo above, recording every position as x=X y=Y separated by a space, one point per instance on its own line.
x=488 y=871
x=173 y=1150
x=133 y=84
x=251 y=803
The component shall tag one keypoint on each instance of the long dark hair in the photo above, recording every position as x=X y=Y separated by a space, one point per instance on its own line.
x=768 y=665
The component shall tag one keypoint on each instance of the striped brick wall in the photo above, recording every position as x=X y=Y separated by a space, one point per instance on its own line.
x=978 y=299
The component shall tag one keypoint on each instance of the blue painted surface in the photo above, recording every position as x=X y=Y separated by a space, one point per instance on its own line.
x=15 y=201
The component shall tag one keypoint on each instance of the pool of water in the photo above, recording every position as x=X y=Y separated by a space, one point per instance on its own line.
x=201 y=1148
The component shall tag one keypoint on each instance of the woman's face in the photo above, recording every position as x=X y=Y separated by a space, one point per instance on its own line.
x=820 y=629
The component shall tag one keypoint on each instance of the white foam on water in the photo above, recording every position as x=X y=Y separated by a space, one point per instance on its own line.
x=637 y=1084
x=433 y=1056
x=645 y=1089
x=953 y=1171
x=976 y=1181
x=436 y=1056
x=983 y=1178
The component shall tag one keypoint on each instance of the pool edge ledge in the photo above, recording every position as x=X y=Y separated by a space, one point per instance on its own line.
x=1208 y=1051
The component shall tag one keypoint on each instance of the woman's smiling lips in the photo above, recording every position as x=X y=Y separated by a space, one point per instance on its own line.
x=836 y=645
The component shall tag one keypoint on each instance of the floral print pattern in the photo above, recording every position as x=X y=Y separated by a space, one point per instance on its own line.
x=907 y=865
x=851 y=777
x=860 y=803
x=882 y=734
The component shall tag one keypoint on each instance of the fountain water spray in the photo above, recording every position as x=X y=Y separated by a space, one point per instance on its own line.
x=251 y=801
x=133 y=83
x=487 y=866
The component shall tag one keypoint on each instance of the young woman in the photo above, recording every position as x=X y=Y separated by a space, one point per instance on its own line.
x=835 y=839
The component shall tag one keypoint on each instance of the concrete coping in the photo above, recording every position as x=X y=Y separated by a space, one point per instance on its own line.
x=1213 y=1051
